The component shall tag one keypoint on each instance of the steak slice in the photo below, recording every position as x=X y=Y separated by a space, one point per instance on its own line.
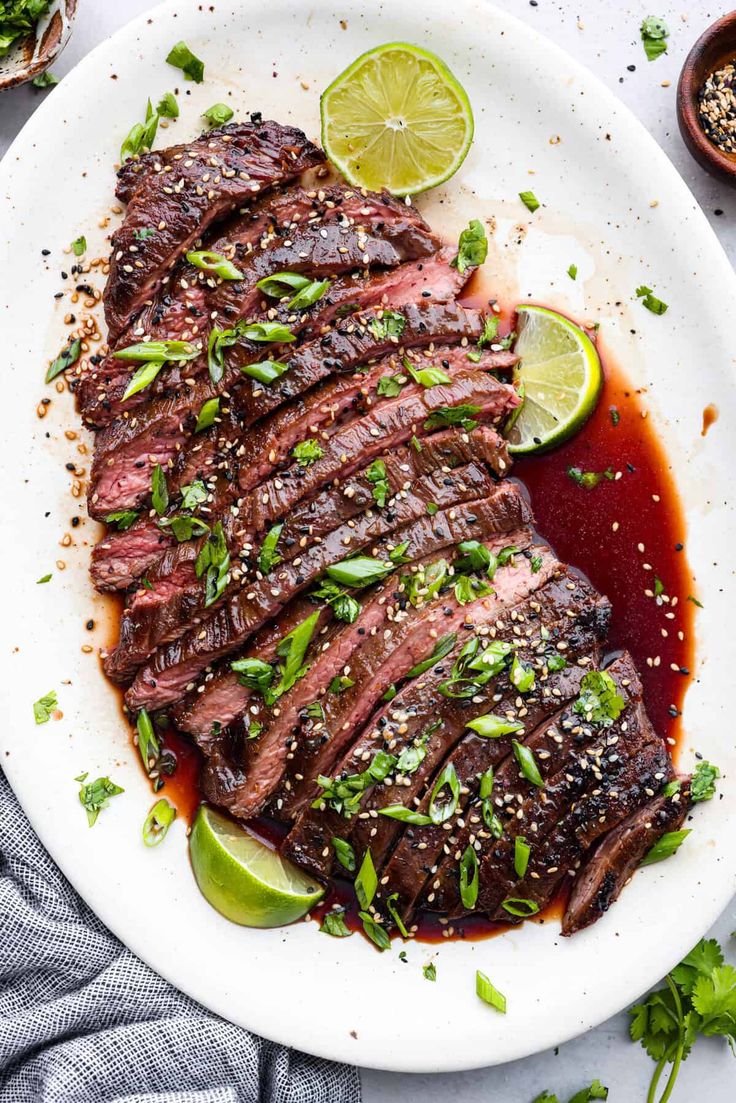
x=122 y=557
x=221 y=697
x=426 y=864
x=609 y=867
x=626 y=784
x=164 y=609
x=420 y=711
x=388 y=426
x=167 y=676
x=426 y=279
x=127 y=449
x=179 y=199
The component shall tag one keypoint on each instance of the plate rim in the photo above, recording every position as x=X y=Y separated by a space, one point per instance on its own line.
x=339 y=1049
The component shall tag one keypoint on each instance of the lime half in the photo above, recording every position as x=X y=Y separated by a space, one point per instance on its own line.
x=398 y=119
x=561 y=376
x=242 y=878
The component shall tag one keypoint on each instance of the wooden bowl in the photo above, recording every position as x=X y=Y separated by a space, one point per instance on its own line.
x=714 y=48
x=34 y=54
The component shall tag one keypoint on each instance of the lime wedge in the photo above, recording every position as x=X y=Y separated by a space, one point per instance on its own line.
x=243 y=878
x=561 y=376
x=398 y=119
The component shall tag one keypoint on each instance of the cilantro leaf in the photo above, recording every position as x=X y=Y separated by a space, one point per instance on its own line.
x=44 y=708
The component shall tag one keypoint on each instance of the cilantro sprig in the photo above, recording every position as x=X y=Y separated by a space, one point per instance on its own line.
x=698 y=1000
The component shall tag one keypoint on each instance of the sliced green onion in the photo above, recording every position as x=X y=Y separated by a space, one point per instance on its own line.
x=209 y=261
x=280 y=285
x=268 y=557
x=149 y=746
x=158 y=352
x=522 y=850
x=143 y=378
x=309 y=295
x=366 y=881
x=443 y=647
x=158 y=821
x=375 y=931
x=665 y=847
x=491 y=726
x=159 y=490
x=521 y=675
x=218 y=114
x=527 y=764
x=265 y=372
x=363 y=570
x=405 y=815
x=64 y=360
x=267 y=331
x=206 y=417
x=486 y=992
x=516 y=905
x=469 y=877
x=529 y=199
x=344 y=854
x=443 y=806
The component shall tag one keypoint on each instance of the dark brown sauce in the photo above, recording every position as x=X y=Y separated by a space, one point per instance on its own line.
x=579 y=526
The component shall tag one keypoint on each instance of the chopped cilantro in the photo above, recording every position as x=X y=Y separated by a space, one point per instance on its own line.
x=44 y=708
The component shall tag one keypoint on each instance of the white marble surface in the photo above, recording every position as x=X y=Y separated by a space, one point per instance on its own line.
x=604 y=35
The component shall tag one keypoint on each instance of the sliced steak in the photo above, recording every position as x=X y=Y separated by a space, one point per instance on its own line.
x=324 y=410
x=164 y=610
x=420 y=711
x=381 y=664
x=314 y=250
x=627 y=782
x=179 y=199
x=355 y=341
x=221 y=697
x=609 y=867
x=390 y=425
x=430 y=279
x=126 y=450
x=429 y=857
x=263 y=646
x=377 y=651
x=443 y=450
x=122 y=557
x=180 y=310
x=168 y=674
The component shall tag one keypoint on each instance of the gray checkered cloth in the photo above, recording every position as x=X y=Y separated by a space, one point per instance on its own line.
x=84 y=1021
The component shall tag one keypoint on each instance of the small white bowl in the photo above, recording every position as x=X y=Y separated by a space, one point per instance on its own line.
x=33 y=54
